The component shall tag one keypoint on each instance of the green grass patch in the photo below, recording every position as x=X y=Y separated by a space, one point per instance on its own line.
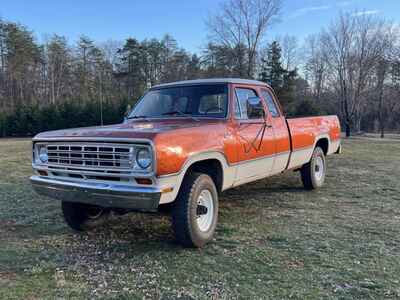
x=274 y=239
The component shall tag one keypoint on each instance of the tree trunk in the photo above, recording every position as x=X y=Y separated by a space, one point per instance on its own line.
x=53 y=100
x=357 y=123
x=381 y=108
x=348 y=129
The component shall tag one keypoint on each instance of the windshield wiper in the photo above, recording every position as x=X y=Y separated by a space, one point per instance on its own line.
x=180 y=113
x=175 y=112
x=137 y=117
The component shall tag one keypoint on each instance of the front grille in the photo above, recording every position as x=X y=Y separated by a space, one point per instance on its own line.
x=91 y=155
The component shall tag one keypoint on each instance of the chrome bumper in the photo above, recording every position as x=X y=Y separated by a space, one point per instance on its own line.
x=102 y=194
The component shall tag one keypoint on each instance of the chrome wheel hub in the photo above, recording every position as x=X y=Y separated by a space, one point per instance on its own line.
x=205 y=210
x=319 y=168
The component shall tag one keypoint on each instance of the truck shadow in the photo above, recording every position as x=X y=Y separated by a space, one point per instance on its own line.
x=137 y=234
x=265 y=189
x=140 y=231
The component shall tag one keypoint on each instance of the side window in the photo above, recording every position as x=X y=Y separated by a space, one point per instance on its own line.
x=241 y=103
x=237 y=108
x=270 y=103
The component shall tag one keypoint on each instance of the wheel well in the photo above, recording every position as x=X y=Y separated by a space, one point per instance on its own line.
x=323 y=144
x=211 y=167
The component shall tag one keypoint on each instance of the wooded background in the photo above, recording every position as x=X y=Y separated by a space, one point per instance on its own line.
x=350 y=68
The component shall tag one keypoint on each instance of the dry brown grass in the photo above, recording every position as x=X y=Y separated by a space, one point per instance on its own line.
x=274 y=240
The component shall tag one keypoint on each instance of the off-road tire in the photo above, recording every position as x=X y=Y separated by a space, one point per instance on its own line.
x=78 y=215
x=185 y=211
x=309 y=171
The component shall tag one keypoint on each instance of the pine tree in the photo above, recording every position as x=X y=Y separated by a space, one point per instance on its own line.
x=283 y=81
x=272 y=71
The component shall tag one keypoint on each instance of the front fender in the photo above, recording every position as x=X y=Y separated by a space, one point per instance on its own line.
x=175 y=180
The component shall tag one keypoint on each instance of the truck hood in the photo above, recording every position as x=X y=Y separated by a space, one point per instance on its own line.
x=131 y=129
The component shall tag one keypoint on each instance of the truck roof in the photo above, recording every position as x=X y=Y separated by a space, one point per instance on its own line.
x=211 y=80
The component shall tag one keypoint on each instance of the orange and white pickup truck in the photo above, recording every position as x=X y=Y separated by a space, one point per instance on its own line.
x=182 y=144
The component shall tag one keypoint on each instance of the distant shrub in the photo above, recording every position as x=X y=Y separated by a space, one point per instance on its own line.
x=30 y=120
x=306 y=108
x=2 y=124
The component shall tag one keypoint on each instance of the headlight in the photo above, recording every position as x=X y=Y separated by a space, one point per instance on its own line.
x=143 y=158
x=43 y=156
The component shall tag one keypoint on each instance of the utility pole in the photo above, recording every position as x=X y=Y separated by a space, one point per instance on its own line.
x=101 y=97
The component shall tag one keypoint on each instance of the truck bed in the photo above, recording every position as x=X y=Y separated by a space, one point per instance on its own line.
x=305 y=132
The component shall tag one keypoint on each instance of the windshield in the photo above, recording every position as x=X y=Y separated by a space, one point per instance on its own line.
x=184 y=101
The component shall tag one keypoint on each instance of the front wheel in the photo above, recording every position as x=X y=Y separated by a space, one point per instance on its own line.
x=313 y=173
x=81 y=216
x=195 y=213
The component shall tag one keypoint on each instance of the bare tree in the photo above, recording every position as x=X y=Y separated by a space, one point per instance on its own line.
x=3 y=47
x=289 y=47
x=315 y=65
x=387 y=57
x=110 y=49
x=243 y=22
x=352 y=46
x=57 y=62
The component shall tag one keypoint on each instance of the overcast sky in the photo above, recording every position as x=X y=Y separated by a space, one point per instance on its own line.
x=184 y=19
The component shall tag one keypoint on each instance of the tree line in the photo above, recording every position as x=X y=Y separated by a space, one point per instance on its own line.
x=351 y=68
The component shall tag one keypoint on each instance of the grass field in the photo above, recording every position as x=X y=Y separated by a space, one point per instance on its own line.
x=274 y=240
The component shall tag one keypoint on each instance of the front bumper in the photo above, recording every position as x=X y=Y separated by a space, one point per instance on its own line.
x=101 y=194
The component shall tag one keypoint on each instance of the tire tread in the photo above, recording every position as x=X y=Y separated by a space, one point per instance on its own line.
x=181 y=221
x=307 y=172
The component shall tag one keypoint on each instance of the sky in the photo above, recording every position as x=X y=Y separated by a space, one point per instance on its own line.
x=104 y=20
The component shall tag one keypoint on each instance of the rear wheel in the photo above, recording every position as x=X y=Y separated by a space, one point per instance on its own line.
x=80 y=216
x=313 y=173
x=195 y=213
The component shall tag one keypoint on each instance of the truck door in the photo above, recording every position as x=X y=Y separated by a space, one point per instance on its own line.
x=255 y=138
x=282 y=139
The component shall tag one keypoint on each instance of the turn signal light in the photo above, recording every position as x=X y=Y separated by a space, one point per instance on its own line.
x=146 y=181
x=167 y=190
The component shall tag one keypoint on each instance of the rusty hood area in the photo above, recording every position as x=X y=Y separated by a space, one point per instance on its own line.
x=140 y=129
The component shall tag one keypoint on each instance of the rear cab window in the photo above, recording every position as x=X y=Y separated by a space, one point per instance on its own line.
x=269 y=101
x=212 y=103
